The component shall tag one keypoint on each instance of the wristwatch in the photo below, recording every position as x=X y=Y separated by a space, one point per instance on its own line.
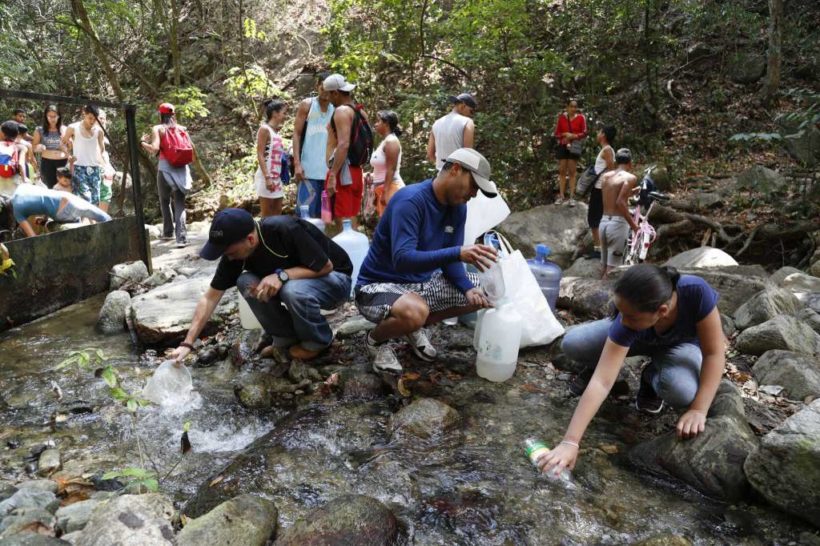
x=283 y=275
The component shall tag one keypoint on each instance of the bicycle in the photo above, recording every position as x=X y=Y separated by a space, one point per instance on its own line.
x=639 y=242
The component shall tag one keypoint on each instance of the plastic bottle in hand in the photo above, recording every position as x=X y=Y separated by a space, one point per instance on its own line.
x=534 y=449
x=327 y=213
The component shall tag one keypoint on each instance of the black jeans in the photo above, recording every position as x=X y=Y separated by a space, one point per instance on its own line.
x=48 y=170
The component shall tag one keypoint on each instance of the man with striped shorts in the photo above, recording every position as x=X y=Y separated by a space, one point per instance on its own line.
x=413 y=274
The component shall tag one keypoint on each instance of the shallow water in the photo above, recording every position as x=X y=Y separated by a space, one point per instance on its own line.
x=473 y=485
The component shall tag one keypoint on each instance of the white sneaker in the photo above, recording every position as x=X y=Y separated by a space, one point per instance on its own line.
x=559 y=201
x=572 y=202
x=383 y=357
x=421 y=345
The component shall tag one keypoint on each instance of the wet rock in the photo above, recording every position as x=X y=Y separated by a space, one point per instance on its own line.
x=127 y=273
x=29 y=498
x=246 y=346
x=48 y=462
x=746 y=67
x=801 y=285
x=6 y=491
x=163 y=315
x=353 y=326
x=798 y=374
x=704 y=256
x=782 y=332
x=27 y=520
x=246 y=520
x=113 y=312
x=780 y=275
x=664 y=540
x=74 y=517
x=360 y=385
x=350 y=519
x=300 y=372
x=588 y=268
x=810 y=317
x=136 y=520
x=260 y=390
x=558 y=227
x=765 y=305
x=160 y=277
x=785 y=468
x=586 y=298
x=712 y=462
x=424 y=418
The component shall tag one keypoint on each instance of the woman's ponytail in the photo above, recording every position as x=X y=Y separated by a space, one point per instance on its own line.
x=647 y=286
x=673 y=274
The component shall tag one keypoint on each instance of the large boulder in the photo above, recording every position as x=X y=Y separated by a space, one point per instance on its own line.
x=29 y=498
x=246 y=520
x=798 y=374
x=746 y=66
x=785 y=468
x=588 y=268
x=424 y=418
x=760 y=179
x=74 y=517
x=130 y=520
x=704 y=256
x=810 y=317
x=804 y=146
x=163 y=315
x=113 y=312
x=765 y=305
x=780 y=275
x=801 y=285
x=782 y=332
x=712 y=462
x=558 y=227
x=586 y=298
x=350 y=519
x=127 y=274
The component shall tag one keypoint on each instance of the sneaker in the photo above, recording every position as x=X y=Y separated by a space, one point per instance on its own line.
x=182 y=243
x=647 y=400
x=579 y=383
x=559 y=201
x=383 y=357
x=571 y=202
x=421 y=345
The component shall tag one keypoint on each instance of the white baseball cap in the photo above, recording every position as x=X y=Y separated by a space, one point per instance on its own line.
x=337 y=82
x=478 y=165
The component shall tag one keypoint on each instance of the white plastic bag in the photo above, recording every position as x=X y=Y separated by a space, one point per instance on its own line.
x=483 y=214
x=540 y=327
x=169 y=385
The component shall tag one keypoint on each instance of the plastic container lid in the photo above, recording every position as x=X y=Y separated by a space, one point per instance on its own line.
x=542 y=250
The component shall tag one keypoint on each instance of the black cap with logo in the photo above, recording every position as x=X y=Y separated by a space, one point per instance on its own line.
x=228 y=227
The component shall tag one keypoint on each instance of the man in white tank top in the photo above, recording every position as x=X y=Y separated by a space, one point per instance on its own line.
x=86 y=140
x=453 y=131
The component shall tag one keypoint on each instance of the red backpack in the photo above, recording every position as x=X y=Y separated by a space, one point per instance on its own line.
x=176 y=146
x=9 y=159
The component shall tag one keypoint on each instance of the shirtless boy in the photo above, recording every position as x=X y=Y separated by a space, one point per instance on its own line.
x=616 y=187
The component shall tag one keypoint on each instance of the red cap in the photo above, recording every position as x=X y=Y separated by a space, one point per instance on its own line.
x=166 y=108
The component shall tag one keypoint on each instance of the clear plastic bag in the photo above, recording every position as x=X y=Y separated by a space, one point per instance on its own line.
x=492 y=282
x=169 y=385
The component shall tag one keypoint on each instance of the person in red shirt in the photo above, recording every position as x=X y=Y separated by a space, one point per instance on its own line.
x=571 y=127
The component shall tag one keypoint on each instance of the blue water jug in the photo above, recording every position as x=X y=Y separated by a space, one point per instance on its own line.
x=356 y=245
x=547 y=274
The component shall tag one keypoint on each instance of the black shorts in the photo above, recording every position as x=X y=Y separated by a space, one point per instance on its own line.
x=562 y=152
x=596 y=207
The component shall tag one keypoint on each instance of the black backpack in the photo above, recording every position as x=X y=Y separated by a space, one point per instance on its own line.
x=361 y=139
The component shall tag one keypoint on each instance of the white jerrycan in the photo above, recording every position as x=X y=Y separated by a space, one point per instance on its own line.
x=497 y=339
x=246 y=317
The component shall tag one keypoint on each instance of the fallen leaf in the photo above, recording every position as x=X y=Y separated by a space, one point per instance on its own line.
x=609 y=449
x=216 y=481
x=402 y=388
x=529 y=387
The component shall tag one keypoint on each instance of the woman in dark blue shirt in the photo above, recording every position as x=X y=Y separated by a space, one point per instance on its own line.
x=670 y=317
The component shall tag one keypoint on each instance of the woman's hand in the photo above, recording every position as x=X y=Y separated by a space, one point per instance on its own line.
x=331 y=184
x=269 y=183
x=691 y=423
x=556 y=460
x=178 y=355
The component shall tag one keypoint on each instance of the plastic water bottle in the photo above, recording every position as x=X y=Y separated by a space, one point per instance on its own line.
x=355 y=244
x=327 y=213
x=304 y=214
x=547 y=273
x=497 y=340
x=534 y=449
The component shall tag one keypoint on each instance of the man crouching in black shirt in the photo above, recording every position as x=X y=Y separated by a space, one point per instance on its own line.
x=285 y=268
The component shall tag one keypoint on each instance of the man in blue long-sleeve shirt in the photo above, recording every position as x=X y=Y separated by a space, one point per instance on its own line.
x=414 y=273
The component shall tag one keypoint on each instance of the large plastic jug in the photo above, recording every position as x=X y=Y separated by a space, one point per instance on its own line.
x=498 y=338
x=327 y=212
x=304 y=214
x=356 y=245
x=547 y=273
x=246 y=317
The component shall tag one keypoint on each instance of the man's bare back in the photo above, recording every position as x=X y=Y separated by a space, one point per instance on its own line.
x=616 y=188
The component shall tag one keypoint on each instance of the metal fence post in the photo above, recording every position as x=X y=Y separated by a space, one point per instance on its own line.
x=133 y=150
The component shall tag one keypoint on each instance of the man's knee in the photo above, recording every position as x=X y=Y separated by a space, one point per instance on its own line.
x=295 y=292
x=412 y=312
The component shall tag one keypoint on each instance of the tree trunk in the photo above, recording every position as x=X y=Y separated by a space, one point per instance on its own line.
x=81 y=17
x=775 y=53
x=174 y=42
